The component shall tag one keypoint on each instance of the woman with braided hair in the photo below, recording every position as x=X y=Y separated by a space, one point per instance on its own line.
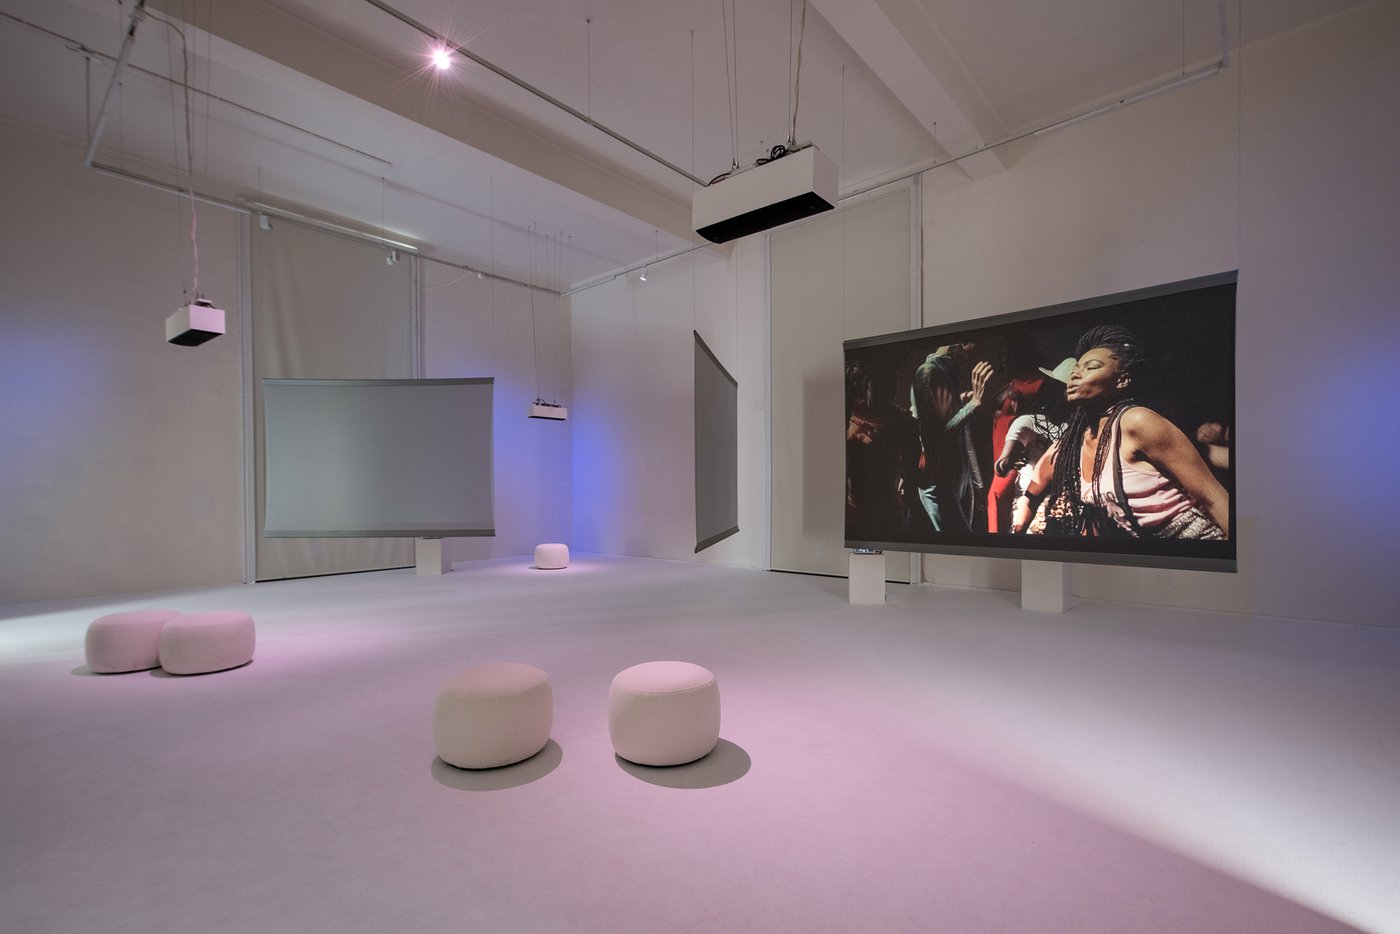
x=1119 y=468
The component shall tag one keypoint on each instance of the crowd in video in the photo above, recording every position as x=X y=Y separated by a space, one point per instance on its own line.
x=1111 y=424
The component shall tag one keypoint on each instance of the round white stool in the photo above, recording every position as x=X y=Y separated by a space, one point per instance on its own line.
x=204 y=642
x=552 y=556
x=492 y=715
x=128 y=641
x=663 y=713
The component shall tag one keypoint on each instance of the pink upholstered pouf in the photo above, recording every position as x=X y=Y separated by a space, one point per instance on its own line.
x=552 y=556
x=128 y=641
x=663 y=713
x=204 y=642
x=492 y=715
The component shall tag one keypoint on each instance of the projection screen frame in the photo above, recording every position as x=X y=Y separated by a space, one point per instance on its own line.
x=716 y=476
x=407 y=530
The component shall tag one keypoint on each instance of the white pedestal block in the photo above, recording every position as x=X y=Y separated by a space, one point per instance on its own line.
x=430 y=554
x=1045 y=586
x=867 y=578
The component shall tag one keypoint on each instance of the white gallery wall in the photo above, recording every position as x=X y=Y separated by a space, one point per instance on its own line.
x=1284 y=167
x=633 y=412
x=121 y=456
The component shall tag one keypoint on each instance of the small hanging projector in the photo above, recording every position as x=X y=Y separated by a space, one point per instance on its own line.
x=195 y=323
x=541 y=409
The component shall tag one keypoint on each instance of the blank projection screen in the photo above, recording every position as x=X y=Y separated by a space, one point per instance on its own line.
x=716 y=449
x=378 y=457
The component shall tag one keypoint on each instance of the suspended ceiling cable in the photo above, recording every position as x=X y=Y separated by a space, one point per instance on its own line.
x=730 y=78
x=797 y=81
x=534 y=332
x=466 y=53
x=189 y=152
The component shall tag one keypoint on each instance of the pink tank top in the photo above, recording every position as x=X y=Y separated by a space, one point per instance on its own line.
x=1154 y=499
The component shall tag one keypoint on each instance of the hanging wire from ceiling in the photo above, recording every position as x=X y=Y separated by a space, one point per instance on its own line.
x=1183 y=37
x=532 y=236
x=797 y=81
x=566 y=269
x=189 y=150
x=729 y=21
x=731 y=73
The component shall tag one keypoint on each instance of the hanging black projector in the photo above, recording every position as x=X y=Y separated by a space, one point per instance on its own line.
x=796 y=185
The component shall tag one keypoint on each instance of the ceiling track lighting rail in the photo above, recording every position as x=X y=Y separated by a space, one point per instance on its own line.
x=550 y=99
x=265 y=210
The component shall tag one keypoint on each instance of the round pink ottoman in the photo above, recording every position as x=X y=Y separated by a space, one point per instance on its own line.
x=663 y=713
x=492 y=715
x=128 y=641
x=552 y=556
x=204 y=642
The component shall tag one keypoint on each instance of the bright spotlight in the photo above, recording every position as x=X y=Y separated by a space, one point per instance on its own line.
x=442 y=58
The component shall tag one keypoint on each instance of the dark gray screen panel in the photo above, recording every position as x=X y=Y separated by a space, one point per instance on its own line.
x=360 y=458
x=716 y=449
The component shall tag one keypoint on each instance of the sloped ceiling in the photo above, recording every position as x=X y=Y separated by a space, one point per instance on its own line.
x=330 y=106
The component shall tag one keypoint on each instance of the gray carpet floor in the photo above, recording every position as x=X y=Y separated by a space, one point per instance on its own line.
x=944 y=762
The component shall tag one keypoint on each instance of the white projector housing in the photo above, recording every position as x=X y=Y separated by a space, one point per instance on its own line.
x=194 y=324
x=793 y=186
x=548 y=410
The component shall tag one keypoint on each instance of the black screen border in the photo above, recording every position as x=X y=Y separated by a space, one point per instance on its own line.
x=1195 y=556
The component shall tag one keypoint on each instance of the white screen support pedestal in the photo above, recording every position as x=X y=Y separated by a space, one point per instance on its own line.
x=430 y=554
x=1045 y=586
x=867 y=577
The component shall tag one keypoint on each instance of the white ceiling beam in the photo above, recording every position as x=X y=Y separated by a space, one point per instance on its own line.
x=905 y=50
x=265 y=30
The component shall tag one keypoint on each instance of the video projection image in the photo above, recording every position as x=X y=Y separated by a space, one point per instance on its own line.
x=365 y=458
x=1098 y=431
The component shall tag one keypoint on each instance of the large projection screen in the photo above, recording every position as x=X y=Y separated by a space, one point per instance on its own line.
x=1103 y=432
x=378 y=457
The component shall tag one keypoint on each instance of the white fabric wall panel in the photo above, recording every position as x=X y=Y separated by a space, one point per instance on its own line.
x=835 y=278
x=121 y=465
x=325 y=308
